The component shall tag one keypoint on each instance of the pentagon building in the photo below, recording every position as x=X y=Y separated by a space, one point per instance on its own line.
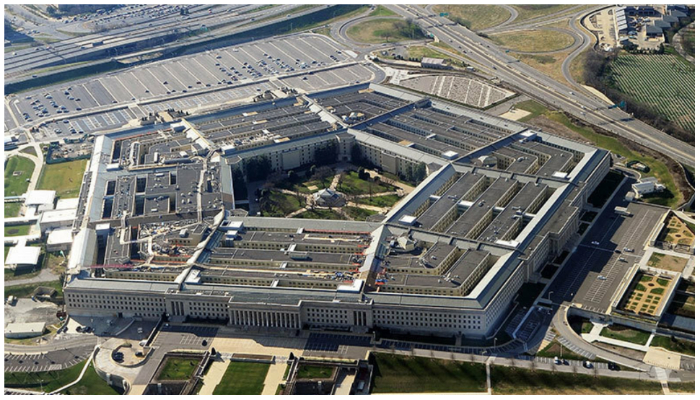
x=158 y=231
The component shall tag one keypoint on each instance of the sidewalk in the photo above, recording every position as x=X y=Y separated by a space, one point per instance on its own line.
x=594 y=336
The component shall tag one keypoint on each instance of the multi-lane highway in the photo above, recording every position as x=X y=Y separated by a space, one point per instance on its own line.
x=586 y=107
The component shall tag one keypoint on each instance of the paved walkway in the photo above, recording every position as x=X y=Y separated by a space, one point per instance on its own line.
x=594 y=336
x=213 y=377
x=44 y=276
x=274 y=377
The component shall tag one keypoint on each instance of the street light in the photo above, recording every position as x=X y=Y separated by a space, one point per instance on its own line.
x=549 y=295
x=495 y=339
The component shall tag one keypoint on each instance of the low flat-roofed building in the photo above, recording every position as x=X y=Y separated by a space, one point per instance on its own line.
x=67 y=204
x=23 y=257
x=57 y=219
x=59 y=240
x=40 y=198
x=428 y=62
x=24 y=330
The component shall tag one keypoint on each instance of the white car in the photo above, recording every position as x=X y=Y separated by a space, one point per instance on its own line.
x=595 y=243
x=602 y=278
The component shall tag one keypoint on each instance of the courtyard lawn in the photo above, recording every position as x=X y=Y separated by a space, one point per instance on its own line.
x=667 y=262
x=580 y=325
x=65 y=178
x=626 y=334
x=320 y=213
x=402 y=374
x=314 y=372
x=12 y=209
x=178 y=369
x=380 y=201
x=383 y=30
x=278 y=204
x=358 y=214
x=510 y=380
x=682 y=387
x=17 y=230
x=674 y=344
x=243 y=378
x=17 y=171
x=352 y=185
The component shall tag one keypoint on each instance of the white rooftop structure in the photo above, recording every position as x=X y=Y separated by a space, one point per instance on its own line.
x=59 y=236
x=58 y=215
x=22 y=330
x=23 y=255
x=40 y=197
x=67 y=204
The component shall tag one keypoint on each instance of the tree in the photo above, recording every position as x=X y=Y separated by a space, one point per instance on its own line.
x=419 y=173
x=356 y=154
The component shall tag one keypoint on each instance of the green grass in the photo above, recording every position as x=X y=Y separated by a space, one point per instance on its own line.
x=658 y=168
x=26 y=291
x=17 y=185
x=418 y=52
x=533 y=40
x=657 y=291
x=48 y=381
x=556 y=349
x=673 y=344
x=279 y=204
x=358 y=214
x=380 y=30
x=352 y=185
x=314 y=372
x=647 y=278
x=178 y=369
x=669 y=84
x=380 y=201
x=531 y=11
x=91 y=384
x=382 y=11
x=580 y=325
x=475 y=16
x=605 y=189
x=510 y=380
x=626 y=334
x=662 y=282
x=534 y=108
x=12 y=209
x=17 y=230
x=682 y=387
x=243 y=378
x=65 y=178
x=320 y=213
x=29 y=150
x=11 y=275
x=400 y=374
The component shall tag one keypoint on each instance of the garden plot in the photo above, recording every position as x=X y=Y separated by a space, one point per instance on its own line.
x=468 y=91
x=662 y=81
x=677 y=232
x=667 y=262
x=646 y=296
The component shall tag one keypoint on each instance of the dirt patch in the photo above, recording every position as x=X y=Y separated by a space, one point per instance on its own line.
x=26 y=310
x=548 y=125
x=667 y=262
x=624 y=351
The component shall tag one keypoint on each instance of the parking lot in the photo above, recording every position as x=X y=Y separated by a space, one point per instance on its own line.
x=611 y=247
x=49 y=361
x=187 y=83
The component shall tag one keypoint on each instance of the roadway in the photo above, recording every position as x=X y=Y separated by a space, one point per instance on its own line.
x=585 y=106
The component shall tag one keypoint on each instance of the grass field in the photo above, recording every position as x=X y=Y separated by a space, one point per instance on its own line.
x=536 y=40
x=25 y=291
x=555 y=349
x=380 y=201
x=92 y=385
x=380 y=30
x=353 y=185
x=682 y=387
x=17 y=230
x=400 y=374
x=178 y=369
x=548 y=64
x=509 y=380
x=357 y=213
x=312 y=372
x=48 y=381
x=624 y=333
x=279 y=204
x=382 y=11
x=534 y=108
x=667 y=262
x=243 y=378
x=421 y=51
x=475 y=17
x=17 y=171
x=673 y=344
x=662 y=81
x=65 y=178
x=13 y=275
x=320 y=213
x=530 y=11
x=12 y=209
